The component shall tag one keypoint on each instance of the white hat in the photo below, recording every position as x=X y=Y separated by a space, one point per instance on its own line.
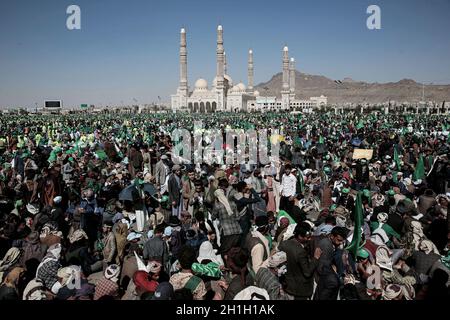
x=168 y=231
x=252 y=293
x=417 y=182
x=57 y=199
x=133 y=235
x=33 y=209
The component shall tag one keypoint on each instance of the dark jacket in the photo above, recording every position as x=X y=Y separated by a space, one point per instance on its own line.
x=156 y=249
x=174 y=189
x=300 y=269
x=328 y=284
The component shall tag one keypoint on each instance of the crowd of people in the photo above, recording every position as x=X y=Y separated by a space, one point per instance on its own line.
x=96 y=207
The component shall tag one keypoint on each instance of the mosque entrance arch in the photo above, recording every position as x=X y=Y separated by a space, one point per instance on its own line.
x=202 y=107
x=214 y=106
x=196 y=109
x=190 y=107
x=208 y=107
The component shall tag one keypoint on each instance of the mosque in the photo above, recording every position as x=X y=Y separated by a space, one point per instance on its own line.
x=227 y=97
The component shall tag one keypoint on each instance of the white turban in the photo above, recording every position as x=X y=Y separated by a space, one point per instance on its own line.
x=277 y=259
x=112 y=272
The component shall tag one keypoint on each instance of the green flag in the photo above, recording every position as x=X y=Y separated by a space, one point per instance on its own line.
x=419 y=172
x=396 y=158
x=300 y=188
x=354 y=246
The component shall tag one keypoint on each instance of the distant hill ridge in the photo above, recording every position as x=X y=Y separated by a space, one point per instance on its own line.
x=351 y=91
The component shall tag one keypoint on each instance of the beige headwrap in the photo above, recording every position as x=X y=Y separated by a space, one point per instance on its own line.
x=392 y=291
x=69 y=274
x=418 y=235
x=220 y=195
x=427 y=246
x=77 y=235
x=383 y=259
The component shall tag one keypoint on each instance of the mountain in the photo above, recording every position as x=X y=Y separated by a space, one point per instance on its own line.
x=352 y=91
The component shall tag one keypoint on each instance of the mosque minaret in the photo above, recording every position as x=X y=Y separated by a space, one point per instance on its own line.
x=224 y=96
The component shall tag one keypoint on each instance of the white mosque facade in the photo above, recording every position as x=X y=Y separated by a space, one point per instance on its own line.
x=226 y=97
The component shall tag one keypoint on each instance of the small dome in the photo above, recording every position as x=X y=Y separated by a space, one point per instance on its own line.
x=292 y=60
x=183 y=30
x=219 y=28
x=242 y=86
x=201 y=84
x=250 y=51
x=285 y=48
x=256 y=93
x=235 y=89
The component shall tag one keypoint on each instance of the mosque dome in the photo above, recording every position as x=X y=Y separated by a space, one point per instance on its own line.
x=235 y=89
x=201 y=84
x=242 y=86
x=256 y=93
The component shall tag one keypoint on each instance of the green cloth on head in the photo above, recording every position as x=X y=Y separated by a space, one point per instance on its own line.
x=360 y=124
x=345 y=190
x=333 y=207
x=18 y=203
x=368 y=195
x=211 y=269
x=362 y=253
x=391 y=192
x=284 y=214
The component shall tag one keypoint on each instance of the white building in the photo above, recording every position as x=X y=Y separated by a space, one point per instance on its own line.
x=224 y=96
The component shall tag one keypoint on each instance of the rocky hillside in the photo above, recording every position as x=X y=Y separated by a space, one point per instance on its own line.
x=351 y=91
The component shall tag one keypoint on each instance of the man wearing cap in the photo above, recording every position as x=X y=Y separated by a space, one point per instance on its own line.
x=188 y=191
x=162 y=171
x=175 y=189
x=300 y=265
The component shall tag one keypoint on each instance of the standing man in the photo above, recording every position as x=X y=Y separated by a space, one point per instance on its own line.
x=300 y=266
x=188 y=191
x=175 y=188
x=225 y=211
x=287 y=189
x=161 y=173
x=328 y=278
